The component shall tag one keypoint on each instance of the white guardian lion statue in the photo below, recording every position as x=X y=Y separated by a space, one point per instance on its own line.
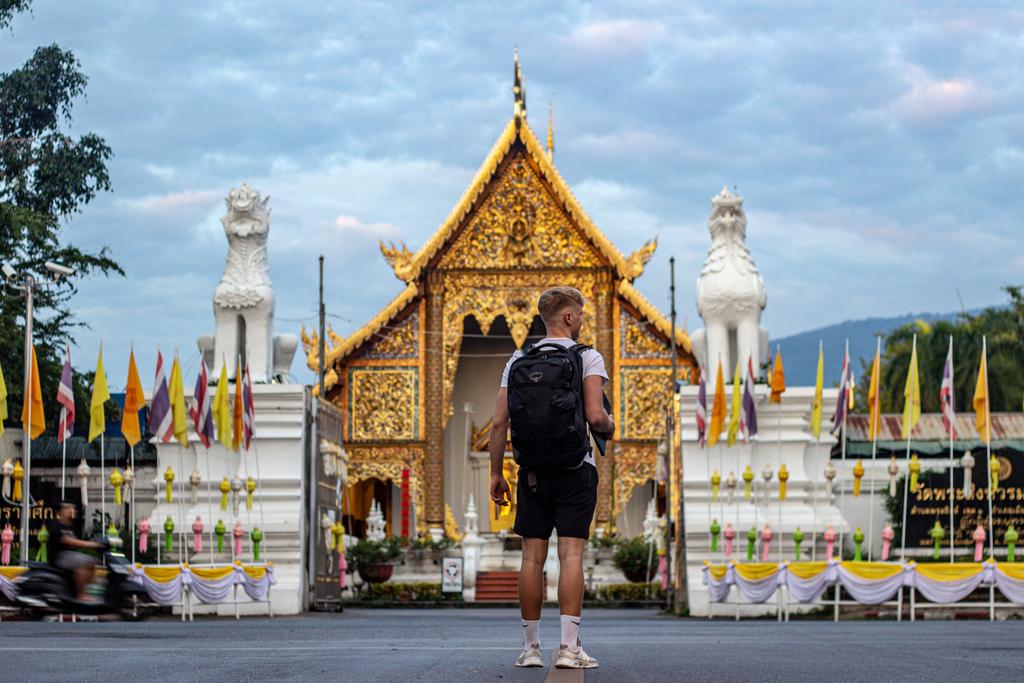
x=243 y=303
x=730 y=295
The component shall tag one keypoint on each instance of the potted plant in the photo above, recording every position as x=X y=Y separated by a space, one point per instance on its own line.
x=602 y=548
x=373 y=559
x=632 y=558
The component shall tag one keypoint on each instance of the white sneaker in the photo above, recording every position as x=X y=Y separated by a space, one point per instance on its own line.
x=530 y=657
x=574 y=659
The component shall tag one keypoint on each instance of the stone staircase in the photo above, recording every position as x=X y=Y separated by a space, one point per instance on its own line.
x=497 y=586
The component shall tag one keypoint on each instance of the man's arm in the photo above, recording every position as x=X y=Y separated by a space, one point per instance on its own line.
x=499 y=488
x=593 y=406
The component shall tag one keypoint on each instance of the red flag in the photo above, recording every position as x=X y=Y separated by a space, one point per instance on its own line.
x=66 y=399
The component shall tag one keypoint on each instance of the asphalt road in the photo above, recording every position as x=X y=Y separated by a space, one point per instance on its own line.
x=480 y=645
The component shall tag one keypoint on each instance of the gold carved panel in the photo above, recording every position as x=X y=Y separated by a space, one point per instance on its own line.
x=644 y=395
x=635 y=464
x=520 y=225
x=399 y=341
x=486 y=296
x=384 y=403
x=387 y=462
x=638 y=340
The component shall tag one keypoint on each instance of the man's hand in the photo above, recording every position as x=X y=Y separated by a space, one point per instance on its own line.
x=501 y=495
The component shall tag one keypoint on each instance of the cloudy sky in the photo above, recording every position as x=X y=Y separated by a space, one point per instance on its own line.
x=878 y=148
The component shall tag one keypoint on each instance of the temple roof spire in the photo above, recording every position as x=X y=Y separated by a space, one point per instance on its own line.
x=519 y=90
x=551 y=130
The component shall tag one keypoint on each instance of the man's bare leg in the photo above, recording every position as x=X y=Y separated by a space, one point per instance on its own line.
x=570 y=576
x=531 y=578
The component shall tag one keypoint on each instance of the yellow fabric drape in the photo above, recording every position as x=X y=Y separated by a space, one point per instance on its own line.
x=718 y=571
x=872 y=571
x=1013 y=570
x=755 y=571
x=944 y=571
x=212 y=573
x=807 y=570
x=11 y=573
x=162 y=574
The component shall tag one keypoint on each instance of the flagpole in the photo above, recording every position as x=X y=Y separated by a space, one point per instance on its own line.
x=906 y=486
x=988 y=442
x=842 y=450
x=132 y=519
x=814 y=481
x=873 y=428
x=103 y=479
x=182 y=553
x=209 y=500
x=778 y=466
x=952 y=431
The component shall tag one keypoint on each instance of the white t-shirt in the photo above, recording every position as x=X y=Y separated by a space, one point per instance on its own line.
x=593 y=364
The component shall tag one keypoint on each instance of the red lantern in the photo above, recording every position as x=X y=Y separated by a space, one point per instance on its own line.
x=405 y=502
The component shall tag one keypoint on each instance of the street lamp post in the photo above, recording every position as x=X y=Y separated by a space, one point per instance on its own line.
x=26 y=287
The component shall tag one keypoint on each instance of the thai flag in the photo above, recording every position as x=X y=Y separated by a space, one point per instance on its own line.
x=702 y=412
x=66 y=399
x=843 y=400
x=748 y=418
x=161 y=420
x=199 y=411
x=248 y=411
x=946 y=398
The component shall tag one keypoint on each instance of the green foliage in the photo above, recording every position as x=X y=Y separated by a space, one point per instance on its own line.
x=372 y=552
x=627 y=592
x=46 y=177
x=633 y=555
x=604 y=542
x=401 y=593
x=1004 y=329
x=425 y=542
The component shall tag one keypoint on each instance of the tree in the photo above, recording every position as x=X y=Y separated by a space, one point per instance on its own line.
x=46 y=178
x=1002 y=327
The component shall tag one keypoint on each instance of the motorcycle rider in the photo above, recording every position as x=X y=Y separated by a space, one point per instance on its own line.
x=65 y=549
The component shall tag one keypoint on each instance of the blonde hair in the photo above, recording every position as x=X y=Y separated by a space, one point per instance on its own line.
x=552 y=301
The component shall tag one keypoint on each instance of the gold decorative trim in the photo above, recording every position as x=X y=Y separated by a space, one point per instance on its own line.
x=648 y=311
x=387 y=462
x=635 y=464
x=384 y=403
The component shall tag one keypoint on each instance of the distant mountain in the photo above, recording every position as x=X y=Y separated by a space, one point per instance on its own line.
x=800 y=351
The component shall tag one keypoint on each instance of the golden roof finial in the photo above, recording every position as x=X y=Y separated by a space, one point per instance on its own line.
x=519 y=90
x=551 y=130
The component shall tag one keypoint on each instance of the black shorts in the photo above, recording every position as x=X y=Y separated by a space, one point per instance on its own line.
x=564 y=501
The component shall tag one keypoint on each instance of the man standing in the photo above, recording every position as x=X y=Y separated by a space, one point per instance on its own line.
x=549 y=395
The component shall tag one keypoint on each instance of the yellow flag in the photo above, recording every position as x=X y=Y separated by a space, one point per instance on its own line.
x=236 y=414
x=222 y=408
x=912 y=396
x=32 y=419
x=816 y=402
x=737 y=406
x=875 y=416
x=717 y=409
x=980 y=401
x=134 y=401
x=778 y=378
x=100 y=395
x=3 y=401
x=176 y=393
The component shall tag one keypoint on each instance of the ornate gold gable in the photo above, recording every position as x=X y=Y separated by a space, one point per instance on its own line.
x=516 y=231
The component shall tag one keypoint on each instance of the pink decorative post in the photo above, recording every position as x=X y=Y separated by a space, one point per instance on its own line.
x=144 y=535
x=766 y=542
x=197 y=535
x=979 y=536
x=238 y=532
x=730 y=535
x=887 y=535
x=6 y=538
x=830 y=542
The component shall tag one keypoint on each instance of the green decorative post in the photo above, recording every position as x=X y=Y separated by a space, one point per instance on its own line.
x=219 y=530
x=751 y=539
x=937 y=533
x=798 y=538
x=44 y=538
x=112 y=530
x=1011 y=543
x=168 y=534
x=256 y=536
x=858 y=540
x=715 y=529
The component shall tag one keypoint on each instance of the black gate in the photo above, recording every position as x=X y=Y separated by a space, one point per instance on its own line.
x=327 y=474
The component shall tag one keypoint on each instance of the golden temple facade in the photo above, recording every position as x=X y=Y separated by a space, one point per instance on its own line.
x=409 y=380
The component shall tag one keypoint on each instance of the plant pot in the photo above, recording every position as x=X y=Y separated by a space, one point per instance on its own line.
x=641 y=575
x=376 y=573
x=604 y=555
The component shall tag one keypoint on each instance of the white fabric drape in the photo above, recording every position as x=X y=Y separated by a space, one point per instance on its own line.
x=758 y=590
x=718 y=589
x=871 y=591
x=1011 y=587
x=808 y=589
x=948 y=590
x=208 y=589
x=7 y=587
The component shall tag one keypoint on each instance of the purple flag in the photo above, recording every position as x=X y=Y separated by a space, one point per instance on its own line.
x=161 y=420
x=749 y=416
x=702 y=411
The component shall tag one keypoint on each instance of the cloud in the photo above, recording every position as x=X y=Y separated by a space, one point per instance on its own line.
x=616 y=37
x=352 y=224
x=931 y=101
x=176 y=201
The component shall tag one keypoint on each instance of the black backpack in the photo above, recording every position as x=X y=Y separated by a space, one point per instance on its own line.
x=545 y=404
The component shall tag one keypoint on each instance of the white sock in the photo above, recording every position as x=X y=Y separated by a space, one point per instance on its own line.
x=570 y=630
x=531 y=632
